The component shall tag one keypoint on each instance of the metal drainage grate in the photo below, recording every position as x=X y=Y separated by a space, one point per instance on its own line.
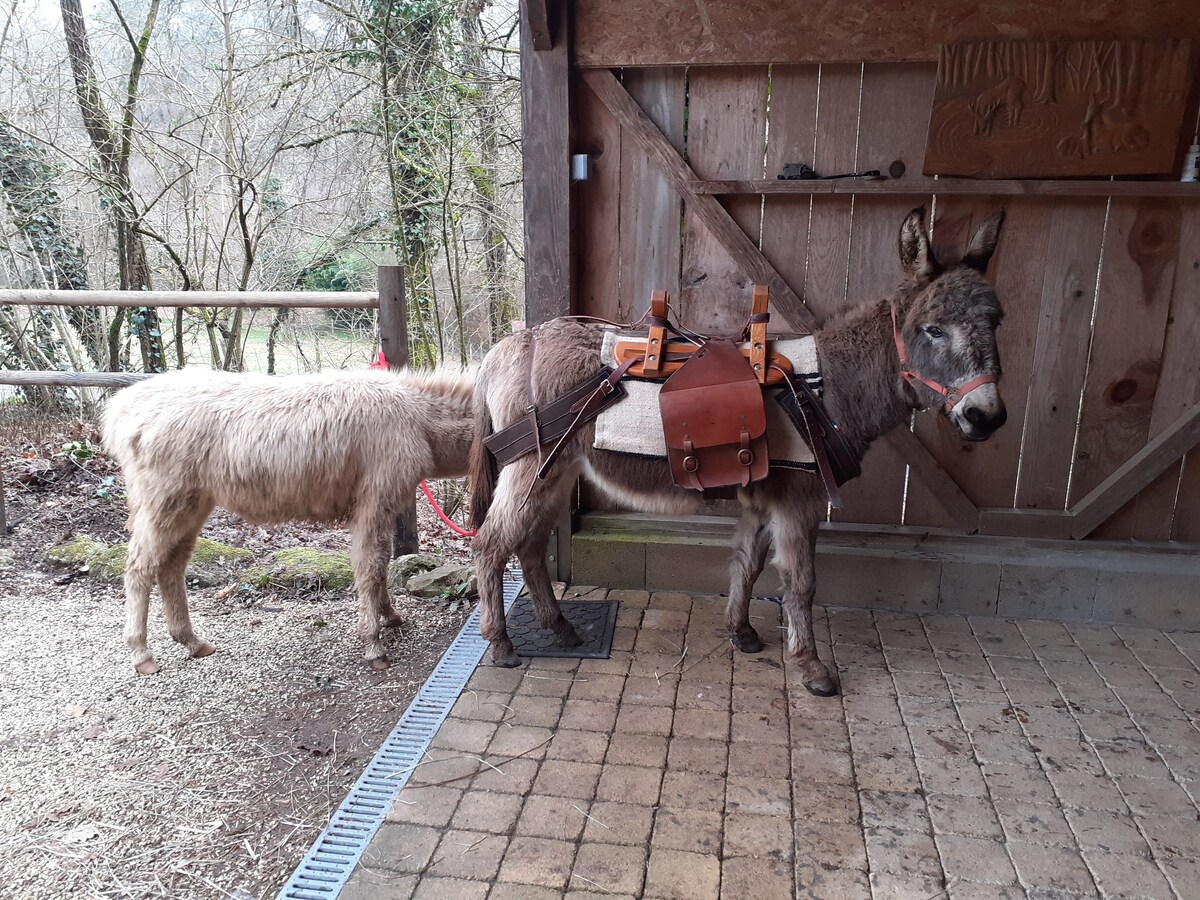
x=328 y=864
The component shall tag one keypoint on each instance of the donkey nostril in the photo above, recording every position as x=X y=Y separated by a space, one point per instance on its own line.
x=1000 y=418
x=975 y=416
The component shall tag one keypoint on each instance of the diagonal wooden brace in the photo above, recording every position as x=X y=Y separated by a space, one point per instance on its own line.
x=716 y=218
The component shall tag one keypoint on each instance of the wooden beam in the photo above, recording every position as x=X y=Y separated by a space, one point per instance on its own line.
x=24 y=378
x=393 y=339
x=617 y=33
x=921 y=185
x=715 y=218
x=1142 y=468
x=1033 y=523
x=546 y=166
x=948 y=494
x=232 y=299
x=536 y=13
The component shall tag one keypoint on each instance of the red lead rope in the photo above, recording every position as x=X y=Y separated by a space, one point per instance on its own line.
x=441 y=515
x=382 y=363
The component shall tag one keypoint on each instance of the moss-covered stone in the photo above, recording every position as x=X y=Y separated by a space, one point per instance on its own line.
x=208 y=566
x=108 y=562
x=75 y=551
x=212 y=561
x=308 y=567
x=214 y=553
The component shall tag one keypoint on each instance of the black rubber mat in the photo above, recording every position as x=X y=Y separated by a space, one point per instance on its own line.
x=594 y=620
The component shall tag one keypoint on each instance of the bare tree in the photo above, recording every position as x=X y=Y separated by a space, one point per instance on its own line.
x=113 y=145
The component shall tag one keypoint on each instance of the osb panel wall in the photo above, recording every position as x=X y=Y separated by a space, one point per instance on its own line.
x=1102 y=299
x=744 y=32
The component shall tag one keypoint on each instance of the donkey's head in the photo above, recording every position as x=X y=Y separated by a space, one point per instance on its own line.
x=945 y=328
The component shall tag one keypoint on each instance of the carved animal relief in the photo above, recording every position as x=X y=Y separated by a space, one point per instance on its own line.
x=1035 y=109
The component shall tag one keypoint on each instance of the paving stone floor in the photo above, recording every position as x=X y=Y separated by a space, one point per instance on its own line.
x=968 y=758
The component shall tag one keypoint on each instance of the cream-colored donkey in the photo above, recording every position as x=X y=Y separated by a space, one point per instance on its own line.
x=332 y=447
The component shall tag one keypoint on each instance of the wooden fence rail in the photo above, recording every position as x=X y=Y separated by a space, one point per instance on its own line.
x=393 y=339
x=233 y=299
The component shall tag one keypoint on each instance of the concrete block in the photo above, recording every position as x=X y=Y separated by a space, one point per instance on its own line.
x=1041 y=592
x=614 y=563
x=695 y=566
x=969 y=588
x=1155 y=600
x=878 y=582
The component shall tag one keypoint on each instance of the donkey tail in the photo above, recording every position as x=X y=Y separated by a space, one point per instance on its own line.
x=482 y=471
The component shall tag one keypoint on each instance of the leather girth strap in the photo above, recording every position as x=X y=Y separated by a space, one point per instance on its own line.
x=554 y=419
x=836 y=462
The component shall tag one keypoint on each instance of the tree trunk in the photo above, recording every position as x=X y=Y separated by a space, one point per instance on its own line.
x=495 y=248
x=113 y=146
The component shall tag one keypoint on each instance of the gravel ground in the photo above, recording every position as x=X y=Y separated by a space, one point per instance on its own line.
x=212 y=778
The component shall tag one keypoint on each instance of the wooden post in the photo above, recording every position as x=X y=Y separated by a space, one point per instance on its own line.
x=546 y=166
x=546 y=161
x=393 y=340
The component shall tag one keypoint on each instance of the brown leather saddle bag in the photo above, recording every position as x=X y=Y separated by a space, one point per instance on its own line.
x=714 y=421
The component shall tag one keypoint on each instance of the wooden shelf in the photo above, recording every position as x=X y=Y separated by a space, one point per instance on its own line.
x=919 y=186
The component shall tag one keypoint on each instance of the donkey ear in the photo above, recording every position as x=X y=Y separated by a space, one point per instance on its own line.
x=983 y=242
x=915 y=254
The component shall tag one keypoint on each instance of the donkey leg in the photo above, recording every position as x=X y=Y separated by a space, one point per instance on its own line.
x=751 y=542
x=537 y=579
x=164 y=530
x=172 y=585
x=512 y=523
x=141 y=567
x=370 y=552
x=796 y=559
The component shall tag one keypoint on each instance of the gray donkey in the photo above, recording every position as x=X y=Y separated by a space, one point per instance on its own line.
x=931 y=344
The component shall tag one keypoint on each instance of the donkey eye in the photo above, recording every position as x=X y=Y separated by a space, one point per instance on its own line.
x=933 y=331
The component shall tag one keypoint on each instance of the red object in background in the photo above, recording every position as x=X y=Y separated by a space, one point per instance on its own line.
x=380 y=362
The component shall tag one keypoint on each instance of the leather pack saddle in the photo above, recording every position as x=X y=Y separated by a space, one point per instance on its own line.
x=712 y=405
x=713 y=420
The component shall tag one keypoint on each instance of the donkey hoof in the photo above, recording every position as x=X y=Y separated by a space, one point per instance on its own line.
x=393 y=621
x=507 y=661
x=748 y=641
x=379 y=663
x=822 y=687
x=569 y=638
x=203 y=649
x=149 y=667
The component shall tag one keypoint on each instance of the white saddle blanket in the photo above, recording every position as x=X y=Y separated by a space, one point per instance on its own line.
x=634 y=425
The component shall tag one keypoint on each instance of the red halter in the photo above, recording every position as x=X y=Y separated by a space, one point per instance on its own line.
x=952 y=395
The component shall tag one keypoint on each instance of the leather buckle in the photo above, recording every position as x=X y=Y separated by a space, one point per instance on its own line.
x=745 y=457
x=690 y=464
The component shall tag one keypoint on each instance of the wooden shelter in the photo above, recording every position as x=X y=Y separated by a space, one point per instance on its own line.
x=689 y=109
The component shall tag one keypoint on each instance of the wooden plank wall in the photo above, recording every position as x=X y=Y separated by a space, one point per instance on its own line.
x=1081 y=399
x=644 y=33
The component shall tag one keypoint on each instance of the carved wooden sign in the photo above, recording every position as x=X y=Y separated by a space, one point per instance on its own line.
x=1036 y=109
